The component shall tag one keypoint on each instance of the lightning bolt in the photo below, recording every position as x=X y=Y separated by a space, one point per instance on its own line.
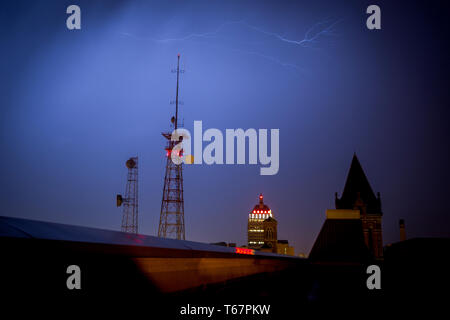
x=270 y=58
x=312 y=36
x=207 y=35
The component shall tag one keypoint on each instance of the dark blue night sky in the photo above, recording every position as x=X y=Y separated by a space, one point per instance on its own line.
x=75 y=105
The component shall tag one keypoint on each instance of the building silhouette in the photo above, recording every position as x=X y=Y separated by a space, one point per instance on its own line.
x=358 y=195
x=352 y=232
x=283 y=247
x=402 y=229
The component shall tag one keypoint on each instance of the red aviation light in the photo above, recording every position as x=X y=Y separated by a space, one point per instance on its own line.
x=245 y=251
x=178 y=153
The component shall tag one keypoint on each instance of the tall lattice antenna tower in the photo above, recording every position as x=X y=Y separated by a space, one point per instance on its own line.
x=171 y=219
x=130 y=201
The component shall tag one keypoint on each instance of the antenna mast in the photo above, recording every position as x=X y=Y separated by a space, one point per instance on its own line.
x=171 y=219
x=176 y=98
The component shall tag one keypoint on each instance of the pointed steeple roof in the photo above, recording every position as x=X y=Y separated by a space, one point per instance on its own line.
x=357 y=191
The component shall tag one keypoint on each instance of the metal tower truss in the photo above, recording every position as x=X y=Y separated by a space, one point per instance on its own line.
x=171 y=220
x=171 y=223
x=130 y=201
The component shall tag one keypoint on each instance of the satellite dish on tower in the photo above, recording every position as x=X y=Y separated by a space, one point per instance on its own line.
x=130 y=163
x=119 y=200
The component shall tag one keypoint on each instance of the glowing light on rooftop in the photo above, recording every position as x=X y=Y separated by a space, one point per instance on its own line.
x=245 y=251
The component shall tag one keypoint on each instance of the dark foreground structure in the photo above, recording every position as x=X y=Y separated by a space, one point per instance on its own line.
x=166 y=274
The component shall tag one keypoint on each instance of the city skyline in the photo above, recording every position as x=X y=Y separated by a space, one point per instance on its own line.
x=77 y=104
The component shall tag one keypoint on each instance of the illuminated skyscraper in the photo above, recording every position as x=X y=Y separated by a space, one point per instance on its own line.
x=262 y=227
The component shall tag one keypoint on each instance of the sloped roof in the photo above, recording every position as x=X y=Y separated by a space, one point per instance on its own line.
x=356 y=186
x=32 y=229
x=261 y=205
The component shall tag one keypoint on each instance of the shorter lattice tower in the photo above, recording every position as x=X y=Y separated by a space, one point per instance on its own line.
x=130 y=200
